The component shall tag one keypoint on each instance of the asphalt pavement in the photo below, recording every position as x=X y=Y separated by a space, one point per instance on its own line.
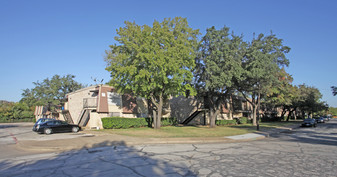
x=296 y=153
x=92 y=139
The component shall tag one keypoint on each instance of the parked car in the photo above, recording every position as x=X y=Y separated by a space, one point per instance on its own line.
x=320 y=120
x=326 y=118
x=55 y=126
x=42 y=120
x=309 y=123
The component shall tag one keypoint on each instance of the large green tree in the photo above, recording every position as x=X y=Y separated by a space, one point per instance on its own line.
x=153 y=62
x=50 y=91
x=218 y=64
x=310 y=100
x=6 y=109
x=282 y=94
x=264 y=58
x=11 y=110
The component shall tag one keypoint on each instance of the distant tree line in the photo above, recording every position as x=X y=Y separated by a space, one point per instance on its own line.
x=50 y=92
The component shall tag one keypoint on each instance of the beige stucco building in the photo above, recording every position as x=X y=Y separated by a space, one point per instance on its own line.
x=87 y=106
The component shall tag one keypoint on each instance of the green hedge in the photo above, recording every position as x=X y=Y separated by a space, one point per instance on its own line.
x=244 y=120
x=168 y=121
x=225 y=122
x=120 y=122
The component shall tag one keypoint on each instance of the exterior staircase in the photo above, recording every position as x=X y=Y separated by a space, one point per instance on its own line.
x=67 y=117
x=84 y=117
x=192 y=116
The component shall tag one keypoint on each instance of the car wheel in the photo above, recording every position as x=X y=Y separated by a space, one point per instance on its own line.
x=75 y=129
x=48 y=131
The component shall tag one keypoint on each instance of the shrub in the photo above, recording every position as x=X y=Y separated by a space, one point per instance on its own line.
x=225 y=122
x=243 y=120
x=169 y=121
x=120 y=122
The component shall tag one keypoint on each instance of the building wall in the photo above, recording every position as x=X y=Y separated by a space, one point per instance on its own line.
x=75 y=101
x=182 y=107
x=95 y=121
x=109 y=103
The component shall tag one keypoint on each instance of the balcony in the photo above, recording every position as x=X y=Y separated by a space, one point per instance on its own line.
x=89 y=102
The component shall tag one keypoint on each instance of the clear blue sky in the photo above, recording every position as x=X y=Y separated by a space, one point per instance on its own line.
x=39 y=39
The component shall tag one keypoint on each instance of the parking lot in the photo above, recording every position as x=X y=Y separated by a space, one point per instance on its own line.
x=12 y=133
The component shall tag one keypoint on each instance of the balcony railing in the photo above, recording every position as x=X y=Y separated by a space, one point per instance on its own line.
x=89 y=102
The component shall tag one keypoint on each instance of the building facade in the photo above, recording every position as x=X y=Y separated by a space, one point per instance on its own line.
x=87 y=106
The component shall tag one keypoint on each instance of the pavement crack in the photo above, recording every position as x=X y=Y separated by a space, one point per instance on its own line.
x=128 y=167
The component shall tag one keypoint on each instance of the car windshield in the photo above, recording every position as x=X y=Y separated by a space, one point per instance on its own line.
x=64 y=123
x=307 y=120
x=42 y=120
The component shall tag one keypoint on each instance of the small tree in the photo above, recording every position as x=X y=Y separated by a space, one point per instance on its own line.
x=153 y=62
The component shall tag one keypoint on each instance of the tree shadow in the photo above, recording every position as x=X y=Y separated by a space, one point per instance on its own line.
x=108 y=158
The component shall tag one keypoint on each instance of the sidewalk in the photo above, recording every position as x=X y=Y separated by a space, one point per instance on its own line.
x=92 y=139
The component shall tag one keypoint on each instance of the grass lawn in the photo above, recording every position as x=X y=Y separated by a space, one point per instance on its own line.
x=195 y=131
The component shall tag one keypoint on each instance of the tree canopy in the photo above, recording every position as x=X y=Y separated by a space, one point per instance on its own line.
x=262 y=62
x=218 y=65
x=334 y=90
x=153 y=62
x=50 y=91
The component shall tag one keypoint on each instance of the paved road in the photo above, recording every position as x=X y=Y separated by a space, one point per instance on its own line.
x=301 y=152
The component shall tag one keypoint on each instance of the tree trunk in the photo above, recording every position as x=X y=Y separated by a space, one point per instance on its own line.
x=154 y=119
x=160 y=110
x=295 y=116
x=254 y=114
x=290 y=112
x=231 y=107
x=157 y=114
x=283 y=113
x=212 y=117
x=254 y=109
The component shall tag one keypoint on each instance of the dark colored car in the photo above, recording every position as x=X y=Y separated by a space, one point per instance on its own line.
x=42 y=120
x=320 y=120
x=309 y=123
x=55 y=126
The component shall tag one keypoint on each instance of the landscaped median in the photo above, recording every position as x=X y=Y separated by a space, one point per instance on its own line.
x=190 y=131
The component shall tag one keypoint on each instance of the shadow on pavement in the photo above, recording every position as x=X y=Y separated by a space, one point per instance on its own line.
x=309 y=135
x=109 y=158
